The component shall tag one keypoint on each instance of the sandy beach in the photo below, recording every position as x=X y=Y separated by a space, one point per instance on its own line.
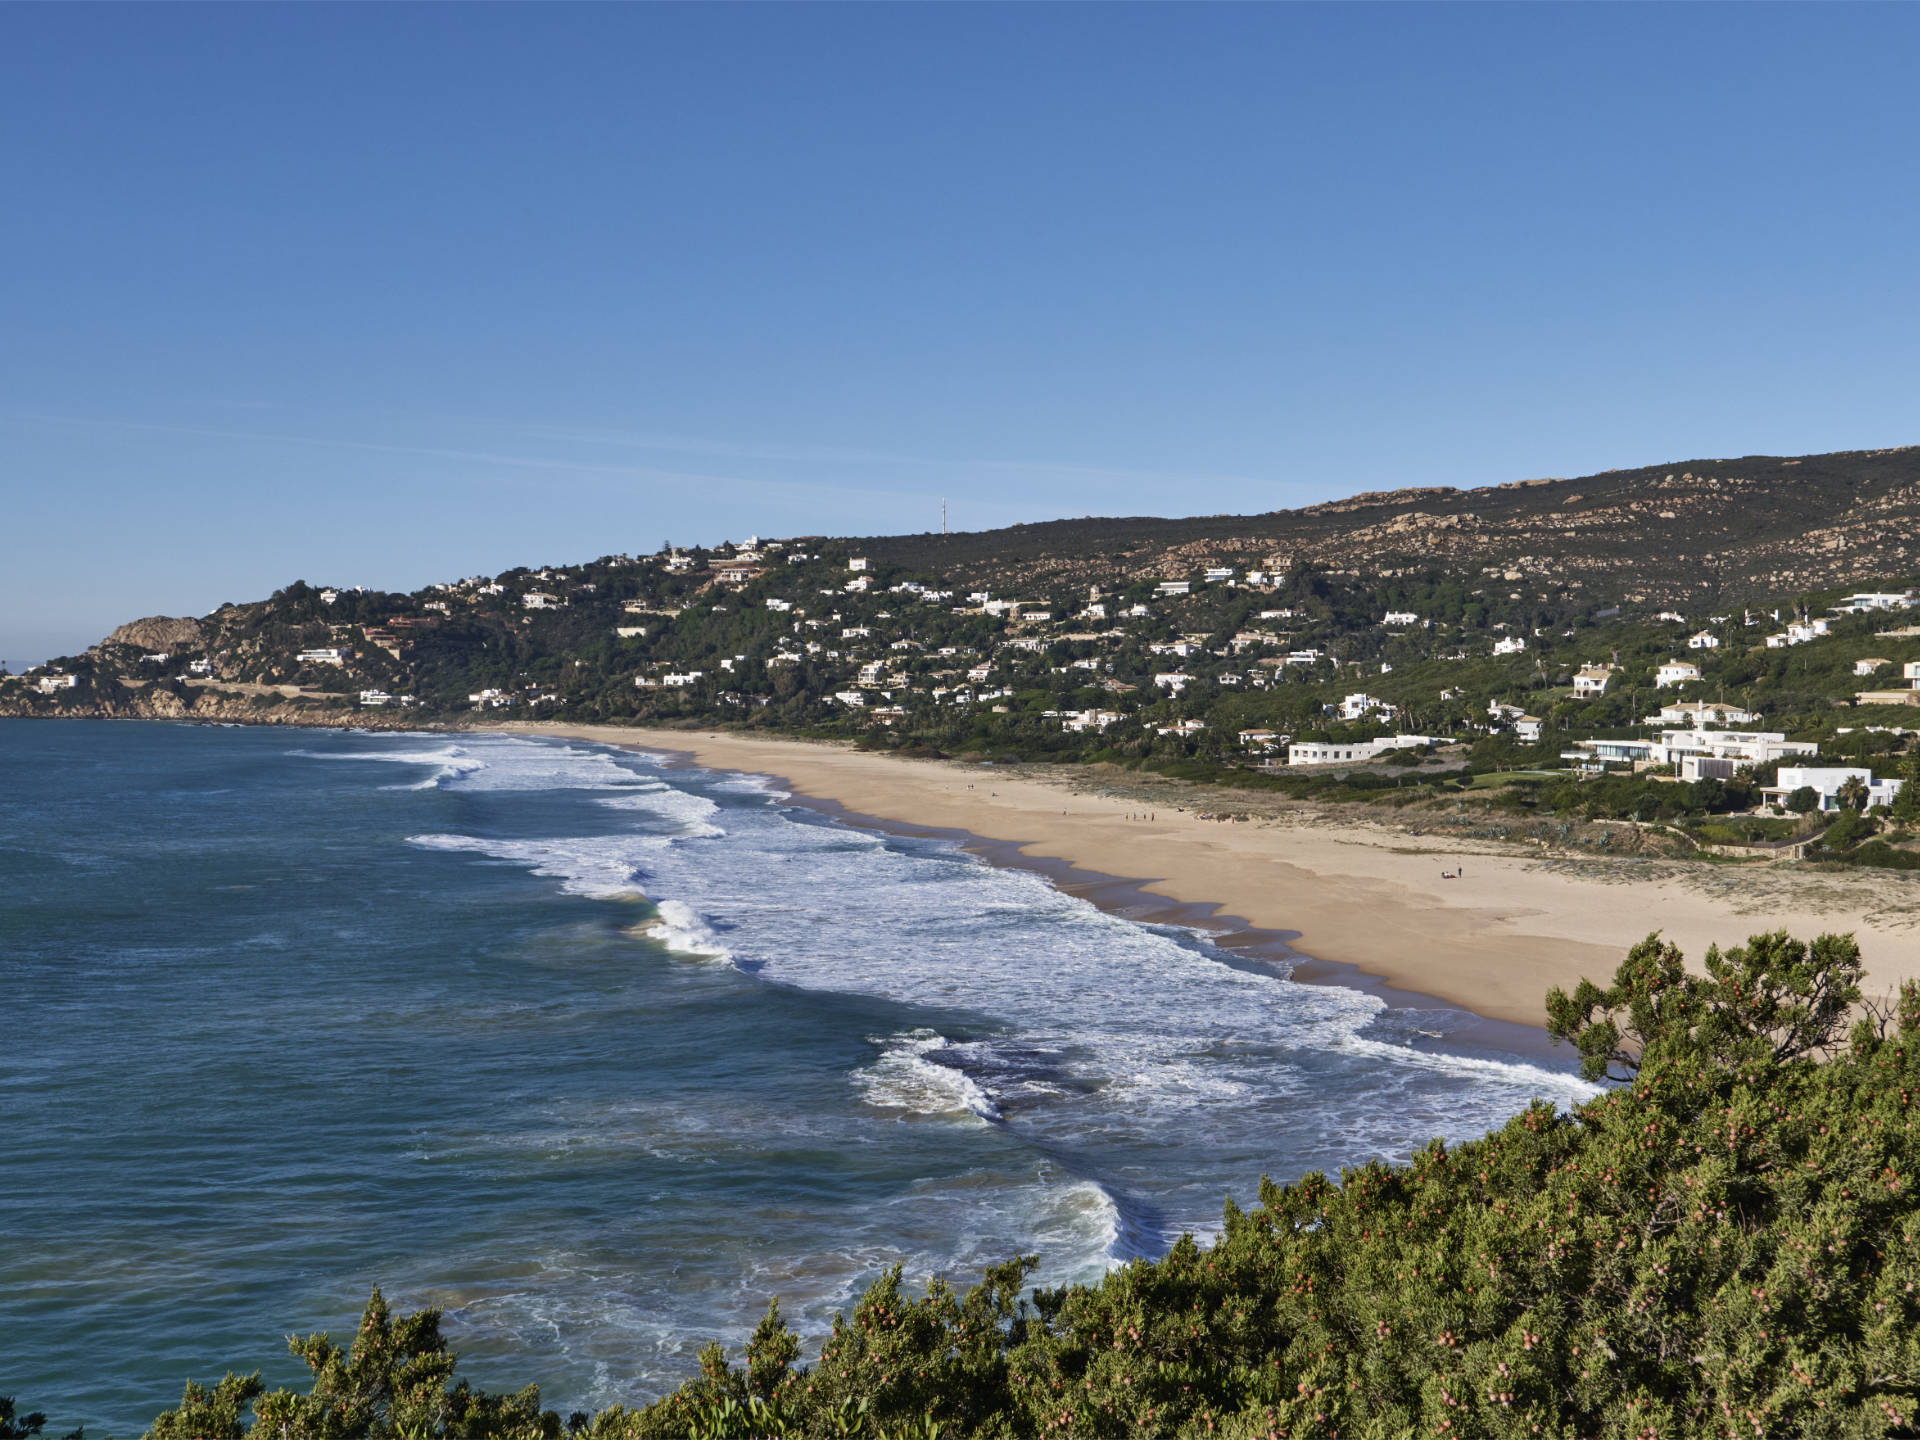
x=1492 y=940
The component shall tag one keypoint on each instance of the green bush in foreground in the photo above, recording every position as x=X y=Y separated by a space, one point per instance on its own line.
x=1726 y=1246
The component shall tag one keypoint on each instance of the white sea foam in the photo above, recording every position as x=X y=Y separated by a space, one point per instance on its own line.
x=678 y=928
x=592 y=867
x=906 y=1077
x=1164 y=1068
x=450 y=762
x=692 y=812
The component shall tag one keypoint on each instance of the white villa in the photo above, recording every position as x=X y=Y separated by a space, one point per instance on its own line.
x=1312 y=752
x=1085 y=719
x=1826 y=781
x=1675 y=672
x=1697 y=753
x=1510 y=645
x=1590 y=681
x=1869 y=600
x=1703 y=640
x=1360 y=704
x=1701 y=713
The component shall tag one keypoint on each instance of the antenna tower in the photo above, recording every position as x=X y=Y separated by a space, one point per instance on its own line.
x=943 y=517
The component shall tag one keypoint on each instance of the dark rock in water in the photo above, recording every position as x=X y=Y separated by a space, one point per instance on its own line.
x=159 y=632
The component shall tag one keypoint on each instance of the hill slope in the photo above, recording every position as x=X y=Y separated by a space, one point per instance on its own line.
x=1692 y=532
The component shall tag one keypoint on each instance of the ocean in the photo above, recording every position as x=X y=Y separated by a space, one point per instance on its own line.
x=597 y=1054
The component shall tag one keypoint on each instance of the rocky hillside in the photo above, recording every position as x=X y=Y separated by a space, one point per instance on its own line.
x=1695 y=532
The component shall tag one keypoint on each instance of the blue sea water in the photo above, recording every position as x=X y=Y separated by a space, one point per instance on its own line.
x=595 y=1054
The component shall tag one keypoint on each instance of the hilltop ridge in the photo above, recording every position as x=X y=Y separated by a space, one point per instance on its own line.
x=1711 y=531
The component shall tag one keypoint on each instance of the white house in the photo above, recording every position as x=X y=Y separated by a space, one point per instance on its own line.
x=1825 y=781
x=1861 y=603
x=47 y=684
x=1747 y=747
x=1590 y=681
x=1870 y=666
x=540 y=600
x=858 y=584
x=1172 y=681
x=200 y=667
x=1261 y=740
x=1703 y=640
x=1174 y=587
x=854 y=699
x=1361 y=704
x=1529 y=728
x=1675 y=672
x=1181 y=727
x=1316 y=752
x=857 y=564
x=1510 y=645
x=1216 y=574
x=1086 y=719
x=682 y=680
x=324 y=656
x=1700 y=713
x=1400 y=617
x=491 y=699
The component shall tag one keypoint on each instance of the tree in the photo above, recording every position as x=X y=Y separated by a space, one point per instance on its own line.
x=1905 y=809
x=15 y=1426
x=391 y=1384
x=1774 y=998
x=1853 y=793
x=1804 y=801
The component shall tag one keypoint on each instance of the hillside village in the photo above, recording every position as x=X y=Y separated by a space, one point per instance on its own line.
x=1746 y=724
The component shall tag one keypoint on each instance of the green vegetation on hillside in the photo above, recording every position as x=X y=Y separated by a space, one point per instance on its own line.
x=1725 y=1244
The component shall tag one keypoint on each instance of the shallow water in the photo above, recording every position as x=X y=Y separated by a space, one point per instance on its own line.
x=598 y=1056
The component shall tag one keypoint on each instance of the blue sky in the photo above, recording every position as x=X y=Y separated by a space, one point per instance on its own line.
x=383 y=295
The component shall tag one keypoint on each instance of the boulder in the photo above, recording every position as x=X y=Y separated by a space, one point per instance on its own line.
x=159 y=633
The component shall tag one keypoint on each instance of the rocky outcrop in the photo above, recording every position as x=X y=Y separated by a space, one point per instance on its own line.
x=159 y=633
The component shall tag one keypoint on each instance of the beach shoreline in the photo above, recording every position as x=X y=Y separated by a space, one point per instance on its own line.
x=1351 y=904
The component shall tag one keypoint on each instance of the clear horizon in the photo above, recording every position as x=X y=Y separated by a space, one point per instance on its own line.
x=386 y=296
